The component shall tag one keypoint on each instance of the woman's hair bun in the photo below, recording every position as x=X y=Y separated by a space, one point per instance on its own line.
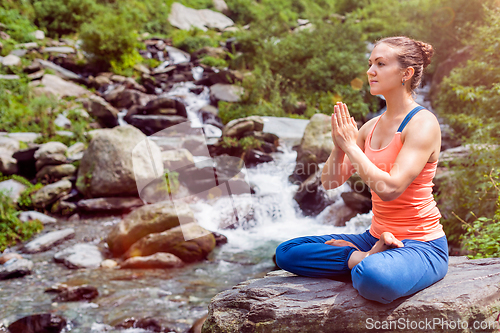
x=427 y=52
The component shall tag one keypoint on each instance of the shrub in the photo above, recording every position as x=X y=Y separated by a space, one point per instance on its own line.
x=194 y=39
x=12 y=230
x=61 y=17
x=111 y=39
x=17 y=26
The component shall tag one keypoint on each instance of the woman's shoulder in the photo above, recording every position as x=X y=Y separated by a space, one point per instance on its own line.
x=367 y=127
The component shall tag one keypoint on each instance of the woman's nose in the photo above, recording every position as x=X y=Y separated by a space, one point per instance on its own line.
x=370 y=71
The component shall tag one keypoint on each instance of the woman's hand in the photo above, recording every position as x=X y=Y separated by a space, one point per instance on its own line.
x=344 y=128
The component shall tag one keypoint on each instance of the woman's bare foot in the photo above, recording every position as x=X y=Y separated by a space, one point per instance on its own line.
x=386 y=241
x=341 y=242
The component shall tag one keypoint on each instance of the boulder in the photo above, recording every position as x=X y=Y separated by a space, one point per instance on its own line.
x=186 y=18
x=121 y=97
x=156 y=105
x=80 y=255
x=238 y=127
x=8 y=256
x=46 y=322
x=34 y=215
x=176 y=158
x=8 y=145
x=50 y=159
x=58 y=49
x=54 y=85
x=226 y=93
x=145 y=220
x=50 y=148
x=357 y=202
x=116 y=204
x=75 y=149
x=284 y=302
x=62 y=72
x=315 y=146
x=11 y=60
x=312 y=196
x=106 y=114
x=76 y=293
x=111 y=164
x=157 y=260
x=48 y=240
x=150 y=124
x=15 y=268
x=55 y=172
x=189 y=242
x=8 y=164
x=12 y=188
x=50 y=193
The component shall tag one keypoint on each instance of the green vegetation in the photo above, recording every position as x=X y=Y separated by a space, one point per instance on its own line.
x=468 y=100
x=12 y=230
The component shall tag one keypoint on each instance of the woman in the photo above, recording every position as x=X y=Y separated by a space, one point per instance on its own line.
x=405 y=250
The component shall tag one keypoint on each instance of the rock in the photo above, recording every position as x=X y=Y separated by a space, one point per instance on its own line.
x=49 y=240
x=312 y=196
x=185 y=18
x=226 y=93
x=39 y=323
x=198 y=245
x=80 y=255
x=115 y=161
x=39 y=34
x=150 y=124
x=157 y=260
x=63 y=208
x=62 y=72
x=219 y=238
x=284 y=302
x=34 y=215
x=109 y=263
x=49 y=148
x=54 y=85
x=9 y=77
x=27 y=137
x=58 y=49
x=254 y=157
x=106 y=114
x=50 y=159
x=154 y=106
x=176 y=158
x=145 y=220
x=56 y=172
x=357 y=202
x=50 y=193
x=77 y=293
x=26 y=161
x=19 y=52
x=143 y=324
x=221 y=6
x=315 y=146
x=12 y=188
x=214 y=52
x=77 y=148
x=237 y=127
x=337 y=214
x=15 y=268
x=11 y=60
x=102 y=81
x=109 y=205
x=198 y=324
x=8 y=256
x=8 y=164
x=225 y=77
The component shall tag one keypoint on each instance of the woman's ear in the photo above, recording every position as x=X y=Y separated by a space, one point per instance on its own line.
x=408 y=73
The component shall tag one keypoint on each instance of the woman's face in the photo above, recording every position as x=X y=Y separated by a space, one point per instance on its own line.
x=384 y=71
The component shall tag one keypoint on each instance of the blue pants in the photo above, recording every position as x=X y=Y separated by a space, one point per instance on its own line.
x=381 y=277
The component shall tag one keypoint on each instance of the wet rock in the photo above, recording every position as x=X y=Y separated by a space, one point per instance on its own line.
x=58 y=49
x=106 y=114
x=337 y=214
x=15 y=268
x=254 y=157
x=50 y=159
x=77 y=148
x=199 y=244
x=301 y=304
x=145 y=220
x=9 y=145
x=62 y=72
x=219 y=238
x=63 y=208
x=111 y=167
x=357 y=202
x=55 y=172
x=50 y=148
x=150 y=124
x=157 y=260
x=50 y=193
x=109 y=263
x=185 y=18
x=49 y=240
x=8 y=164
x=198 y=324
x=315 y=146
x=39 y=35
x=12 y=188
x=54 y=85
x=39 y=323
x=225 y=93
x=154 y=106
x=126 y=98
x=116 y=204
x=8 y=256
x=77 y=293
x=34 y=215
x=312 y=196
x=148 y=324
x=80 y=255
x=238 y=127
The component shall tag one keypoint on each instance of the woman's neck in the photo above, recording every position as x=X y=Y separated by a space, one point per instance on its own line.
x=399 y=103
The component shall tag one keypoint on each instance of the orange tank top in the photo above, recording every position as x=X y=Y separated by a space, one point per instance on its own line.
x=414 y=214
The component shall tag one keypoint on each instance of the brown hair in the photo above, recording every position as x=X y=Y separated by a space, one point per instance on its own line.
x=411 y=53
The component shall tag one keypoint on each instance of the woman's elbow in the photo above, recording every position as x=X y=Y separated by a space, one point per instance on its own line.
x=389 y=195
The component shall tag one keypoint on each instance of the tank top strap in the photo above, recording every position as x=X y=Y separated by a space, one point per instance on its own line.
x=408 y=118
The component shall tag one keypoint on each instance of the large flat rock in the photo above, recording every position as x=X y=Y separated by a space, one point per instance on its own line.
x=468 y=297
